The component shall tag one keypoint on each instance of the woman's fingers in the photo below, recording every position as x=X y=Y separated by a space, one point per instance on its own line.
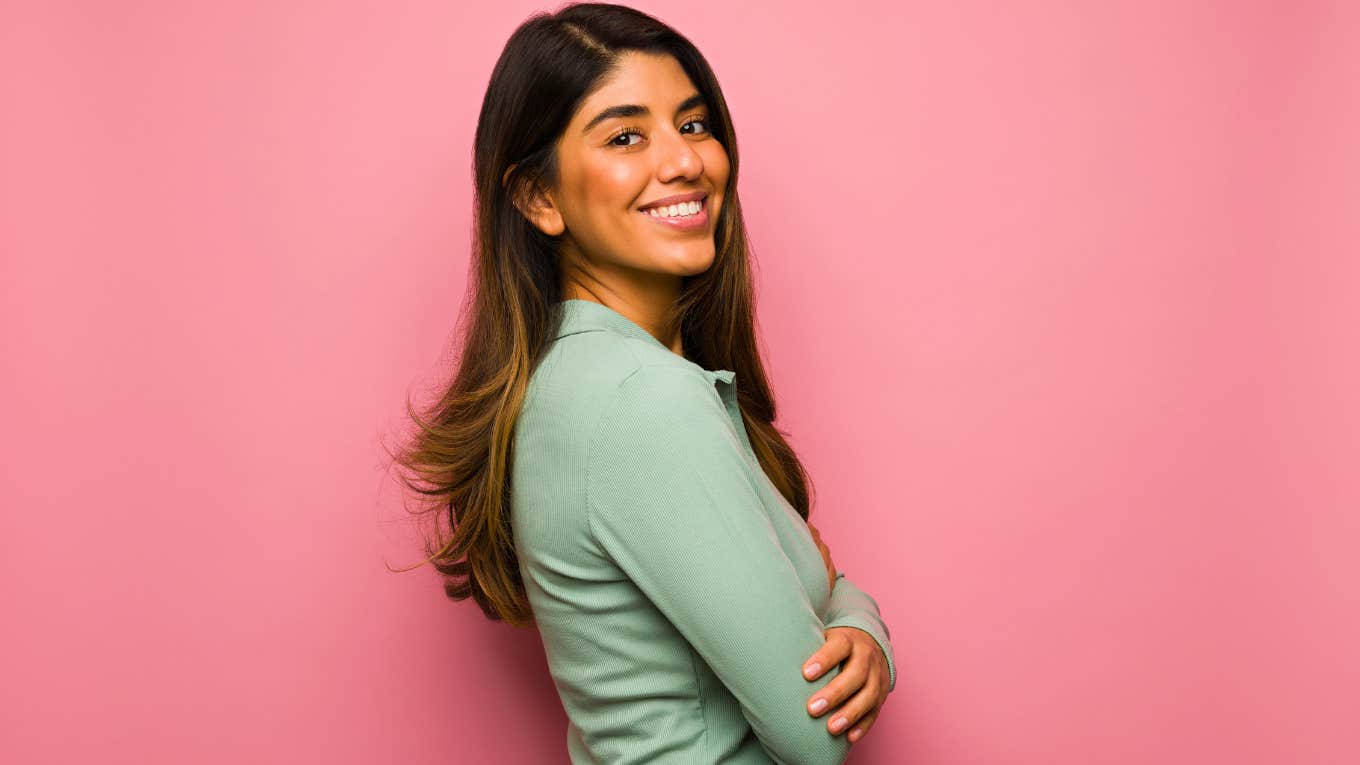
x=832 y=652
x=865 y=723
x=837 y=649
x=860 y=701
x=858 y=689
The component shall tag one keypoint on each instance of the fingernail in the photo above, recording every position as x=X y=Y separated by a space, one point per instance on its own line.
x=812 y=669
x=837 y=724
x=818 y=706
x=855 y=734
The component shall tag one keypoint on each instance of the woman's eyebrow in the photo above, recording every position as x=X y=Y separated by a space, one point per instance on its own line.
x=634 y=110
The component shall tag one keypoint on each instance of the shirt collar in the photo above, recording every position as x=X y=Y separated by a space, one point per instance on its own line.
x=579 y=315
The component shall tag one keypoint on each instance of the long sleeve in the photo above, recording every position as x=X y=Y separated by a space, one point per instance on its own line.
x=852 y=607
x=669 y=500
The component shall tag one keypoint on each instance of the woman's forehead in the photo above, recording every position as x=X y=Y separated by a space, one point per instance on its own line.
x=655 y=82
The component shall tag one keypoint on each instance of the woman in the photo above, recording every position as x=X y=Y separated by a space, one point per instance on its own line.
x=606 y=454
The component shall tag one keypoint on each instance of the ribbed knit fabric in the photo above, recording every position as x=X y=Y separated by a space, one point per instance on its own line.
x=676 y=590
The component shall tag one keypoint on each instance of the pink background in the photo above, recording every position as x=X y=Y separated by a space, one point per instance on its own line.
x=1060 y=301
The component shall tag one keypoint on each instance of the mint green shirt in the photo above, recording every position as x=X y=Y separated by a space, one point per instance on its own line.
x=676 y=591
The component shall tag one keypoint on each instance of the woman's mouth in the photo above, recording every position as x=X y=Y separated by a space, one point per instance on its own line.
x=685 y=216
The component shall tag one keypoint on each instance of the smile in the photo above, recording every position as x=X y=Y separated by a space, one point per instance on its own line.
x=685 y=216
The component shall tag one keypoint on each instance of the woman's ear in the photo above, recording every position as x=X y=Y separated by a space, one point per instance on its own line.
x=536 y=204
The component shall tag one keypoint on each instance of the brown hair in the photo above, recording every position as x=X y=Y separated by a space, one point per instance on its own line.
x=459 y=458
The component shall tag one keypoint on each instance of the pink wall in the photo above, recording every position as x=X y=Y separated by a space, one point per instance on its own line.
x=1070 y=347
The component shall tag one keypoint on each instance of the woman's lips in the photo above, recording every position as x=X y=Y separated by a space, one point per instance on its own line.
x=693 y=222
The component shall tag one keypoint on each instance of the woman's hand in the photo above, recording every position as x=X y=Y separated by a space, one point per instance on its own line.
x=862 y=683
x=858 y=692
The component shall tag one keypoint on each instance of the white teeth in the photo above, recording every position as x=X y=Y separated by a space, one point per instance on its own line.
x=682 y=210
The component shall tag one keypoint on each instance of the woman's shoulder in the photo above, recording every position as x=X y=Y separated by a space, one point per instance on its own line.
x=593 y=387
x=585 y=374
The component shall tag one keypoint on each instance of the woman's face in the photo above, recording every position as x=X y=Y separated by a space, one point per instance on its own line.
x=613 y=167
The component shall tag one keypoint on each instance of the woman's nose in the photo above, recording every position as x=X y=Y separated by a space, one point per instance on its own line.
x=679 y=158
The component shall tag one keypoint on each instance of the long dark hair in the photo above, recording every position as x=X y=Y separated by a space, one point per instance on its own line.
x=458 y=461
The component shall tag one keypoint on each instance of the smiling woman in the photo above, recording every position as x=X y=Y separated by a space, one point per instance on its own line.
x=606 y=456
x=639 y=172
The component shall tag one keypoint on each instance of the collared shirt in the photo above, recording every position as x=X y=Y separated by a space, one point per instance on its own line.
x=676 y=591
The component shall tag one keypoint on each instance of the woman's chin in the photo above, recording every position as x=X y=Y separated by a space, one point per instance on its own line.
x=690 y=265
x=687 y=259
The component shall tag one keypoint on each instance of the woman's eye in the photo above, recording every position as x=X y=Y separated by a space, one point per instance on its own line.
x=701 y=121
x=615 y=139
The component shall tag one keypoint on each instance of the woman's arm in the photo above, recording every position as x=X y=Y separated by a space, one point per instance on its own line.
x=852 y=607
x=853 y=701
x=849 y=606
x=670 y=501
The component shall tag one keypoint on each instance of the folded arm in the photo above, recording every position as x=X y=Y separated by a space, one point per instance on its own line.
x=850 y=606
x=670 y=502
